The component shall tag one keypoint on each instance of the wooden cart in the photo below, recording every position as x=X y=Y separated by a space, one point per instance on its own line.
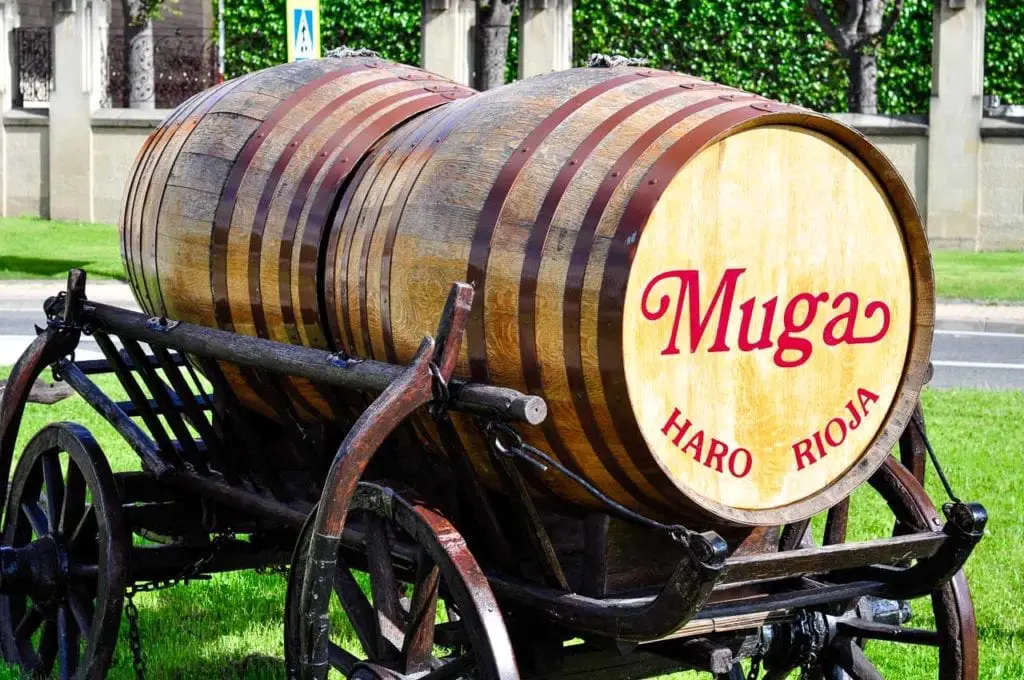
x=462 y=581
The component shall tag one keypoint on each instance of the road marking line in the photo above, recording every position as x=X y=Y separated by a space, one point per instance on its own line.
x=991 y=334
x=975 y=364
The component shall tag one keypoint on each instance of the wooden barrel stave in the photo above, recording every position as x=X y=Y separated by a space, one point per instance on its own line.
x=219 y=178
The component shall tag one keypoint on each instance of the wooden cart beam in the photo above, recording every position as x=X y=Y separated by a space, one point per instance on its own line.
x=304 y=362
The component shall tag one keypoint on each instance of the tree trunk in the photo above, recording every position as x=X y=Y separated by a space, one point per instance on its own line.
x=138 y=56
x=493 y=21
x=862 y=96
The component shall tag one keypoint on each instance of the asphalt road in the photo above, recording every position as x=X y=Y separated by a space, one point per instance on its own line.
x=992 y=361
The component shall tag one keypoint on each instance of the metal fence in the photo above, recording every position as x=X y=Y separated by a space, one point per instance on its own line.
x=33 y=65
x=184 y=63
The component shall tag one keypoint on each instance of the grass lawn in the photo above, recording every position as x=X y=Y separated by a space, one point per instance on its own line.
x=31 y=248
x=230 y=626
x=988 y=277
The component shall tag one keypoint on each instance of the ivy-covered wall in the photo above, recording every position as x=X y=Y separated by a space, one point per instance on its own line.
x=1004 y=50
x=772 y=47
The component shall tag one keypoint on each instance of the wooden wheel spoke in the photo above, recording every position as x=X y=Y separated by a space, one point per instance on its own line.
x=54 y=480
x=63 y=486
x=848 y=655
x=836 y=522
x=414 y=558
x=47 y=646
x=36 y=518
x=341 y=659
x=82 y=611
x=418 y=645
x=357 y=607
x=67 y=643
x=390 y=617
x=85 y=529
x=74 y=498
x=29 y=623
x=452 y=669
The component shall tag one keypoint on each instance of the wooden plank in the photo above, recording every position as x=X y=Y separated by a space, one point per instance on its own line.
x=888 y=551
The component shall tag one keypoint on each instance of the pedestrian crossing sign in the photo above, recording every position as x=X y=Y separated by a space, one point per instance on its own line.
x=303 y=26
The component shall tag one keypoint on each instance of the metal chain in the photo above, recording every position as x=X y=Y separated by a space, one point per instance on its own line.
x=134 y=638
x=190 y=573
x=515 y=446
x=282 y=570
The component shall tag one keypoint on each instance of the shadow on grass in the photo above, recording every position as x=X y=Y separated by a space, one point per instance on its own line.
x=228 y=628
x=251 y=667
x=39 y=266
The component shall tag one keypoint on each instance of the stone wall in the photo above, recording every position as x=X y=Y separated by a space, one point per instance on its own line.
x=118 y=134
x=25 y=165
x=1001 y=209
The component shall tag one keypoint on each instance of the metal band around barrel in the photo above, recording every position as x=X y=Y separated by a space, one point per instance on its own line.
x=184 y=124
x=417 y=153
x=226 y=205
x=225 y=212
x=142 y=159
x=190 y=125
x=632 y=222
x=312 y=244
x=572 y=315
x=342 y=231
x=422 y=157
x=490 y=213
x=532 y=376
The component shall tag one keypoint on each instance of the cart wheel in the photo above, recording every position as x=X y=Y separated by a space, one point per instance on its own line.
x=64 y=558
x=956 y=631
x=426 y=606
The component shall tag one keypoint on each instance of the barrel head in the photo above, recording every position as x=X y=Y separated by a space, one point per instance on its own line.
x=768 y=320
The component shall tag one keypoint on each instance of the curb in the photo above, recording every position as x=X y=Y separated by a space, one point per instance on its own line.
x=31 y=294
x=954 y=315
x=980 y=326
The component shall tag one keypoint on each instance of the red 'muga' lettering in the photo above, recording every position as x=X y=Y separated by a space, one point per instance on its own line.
x=791 y=348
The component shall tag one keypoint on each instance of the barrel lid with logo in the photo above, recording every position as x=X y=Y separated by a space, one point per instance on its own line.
x=777 y=314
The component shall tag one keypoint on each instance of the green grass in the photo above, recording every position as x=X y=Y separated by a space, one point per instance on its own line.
x=230 y=626
x=985 y=277
x=32 y=248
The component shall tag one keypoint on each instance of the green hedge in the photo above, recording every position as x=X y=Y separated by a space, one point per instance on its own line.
x=1004 y=50
x=255 y=30
x=772 y=47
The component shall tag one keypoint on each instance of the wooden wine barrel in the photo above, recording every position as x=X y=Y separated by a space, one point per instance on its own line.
x=727 y=302
x=229 y=199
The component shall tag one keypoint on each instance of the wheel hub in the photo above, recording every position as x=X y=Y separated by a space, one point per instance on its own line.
x=40 y=568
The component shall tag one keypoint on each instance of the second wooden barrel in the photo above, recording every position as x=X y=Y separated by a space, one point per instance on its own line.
x=726 y=302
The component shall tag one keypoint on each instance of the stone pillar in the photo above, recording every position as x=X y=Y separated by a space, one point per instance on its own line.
x=545 y=36
x=446 y=45
x=954 y=134
x=8 y=85
x=78 y=45
x=9 y=92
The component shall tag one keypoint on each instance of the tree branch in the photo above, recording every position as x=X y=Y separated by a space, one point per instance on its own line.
x=825 y=21
x=854 y=12
x=890 y=21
